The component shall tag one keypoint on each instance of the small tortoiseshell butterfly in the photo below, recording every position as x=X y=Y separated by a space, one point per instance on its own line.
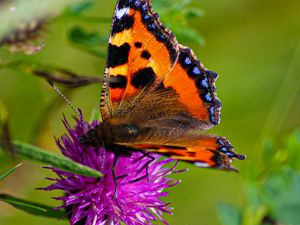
x=156 y=95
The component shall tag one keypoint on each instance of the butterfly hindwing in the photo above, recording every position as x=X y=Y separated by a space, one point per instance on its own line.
x=205 y=151
x=141 y=52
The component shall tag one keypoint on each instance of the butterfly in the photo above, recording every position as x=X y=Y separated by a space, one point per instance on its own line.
x=157 y=97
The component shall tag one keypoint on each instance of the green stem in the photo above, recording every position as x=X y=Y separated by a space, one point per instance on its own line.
x=63 y=163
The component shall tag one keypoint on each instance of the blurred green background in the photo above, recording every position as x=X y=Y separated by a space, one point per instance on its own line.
x=254 y=46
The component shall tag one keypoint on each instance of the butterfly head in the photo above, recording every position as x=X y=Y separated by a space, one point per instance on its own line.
x=92 y=138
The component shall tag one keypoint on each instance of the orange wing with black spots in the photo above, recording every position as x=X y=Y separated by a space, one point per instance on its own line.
x=141 y=52
x=205 y=151
x=144 y=57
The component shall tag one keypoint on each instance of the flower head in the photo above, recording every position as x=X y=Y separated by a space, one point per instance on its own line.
x=137 y=200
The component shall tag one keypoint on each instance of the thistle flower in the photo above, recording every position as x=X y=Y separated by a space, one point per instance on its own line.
x=93 y=201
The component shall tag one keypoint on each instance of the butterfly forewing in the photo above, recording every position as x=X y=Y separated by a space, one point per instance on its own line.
x=141 y=51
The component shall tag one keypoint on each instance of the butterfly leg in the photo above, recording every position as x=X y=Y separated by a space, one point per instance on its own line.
x=147 y=154
x=115 y=179
x=114 y=174
x=144 y=167
x=83 y=152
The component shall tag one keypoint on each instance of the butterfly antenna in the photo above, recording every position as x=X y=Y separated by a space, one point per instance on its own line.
x=78 y=112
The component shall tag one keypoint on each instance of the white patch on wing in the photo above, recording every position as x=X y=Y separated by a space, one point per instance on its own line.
x=200 y=164
x=121 y=12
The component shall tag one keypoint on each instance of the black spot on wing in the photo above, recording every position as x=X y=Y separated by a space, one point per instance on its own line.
x=118 y=81
x=117 y=55
x=138 y=44
x=146 y=55
x=175 y=147
x=119 y=25
x=143 y=77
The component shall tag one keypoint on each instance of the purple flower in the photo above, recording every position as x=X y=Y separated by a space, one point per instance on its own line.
x=137 y=200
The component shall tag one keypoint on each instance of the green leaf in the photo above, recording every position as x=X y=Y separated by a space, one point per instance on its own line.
x=32 y=207
x=176 y=15
x=63 y=163
x=10 y=171
x=188 y=35
x=229 y=215
x=90 y=42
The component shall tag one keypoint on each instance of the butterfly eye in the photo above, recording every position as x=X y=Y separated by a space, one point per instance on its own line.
x=125 y=130
x=132 y=130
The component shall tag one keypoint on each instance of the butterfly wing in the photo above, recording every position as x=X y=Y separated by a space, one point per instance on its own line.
x=195 y=87
x=140 y=52
x=202 y=151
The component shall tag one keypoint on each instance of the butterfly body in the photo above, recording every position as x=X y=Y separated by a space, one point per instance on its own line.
x=156 y=95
